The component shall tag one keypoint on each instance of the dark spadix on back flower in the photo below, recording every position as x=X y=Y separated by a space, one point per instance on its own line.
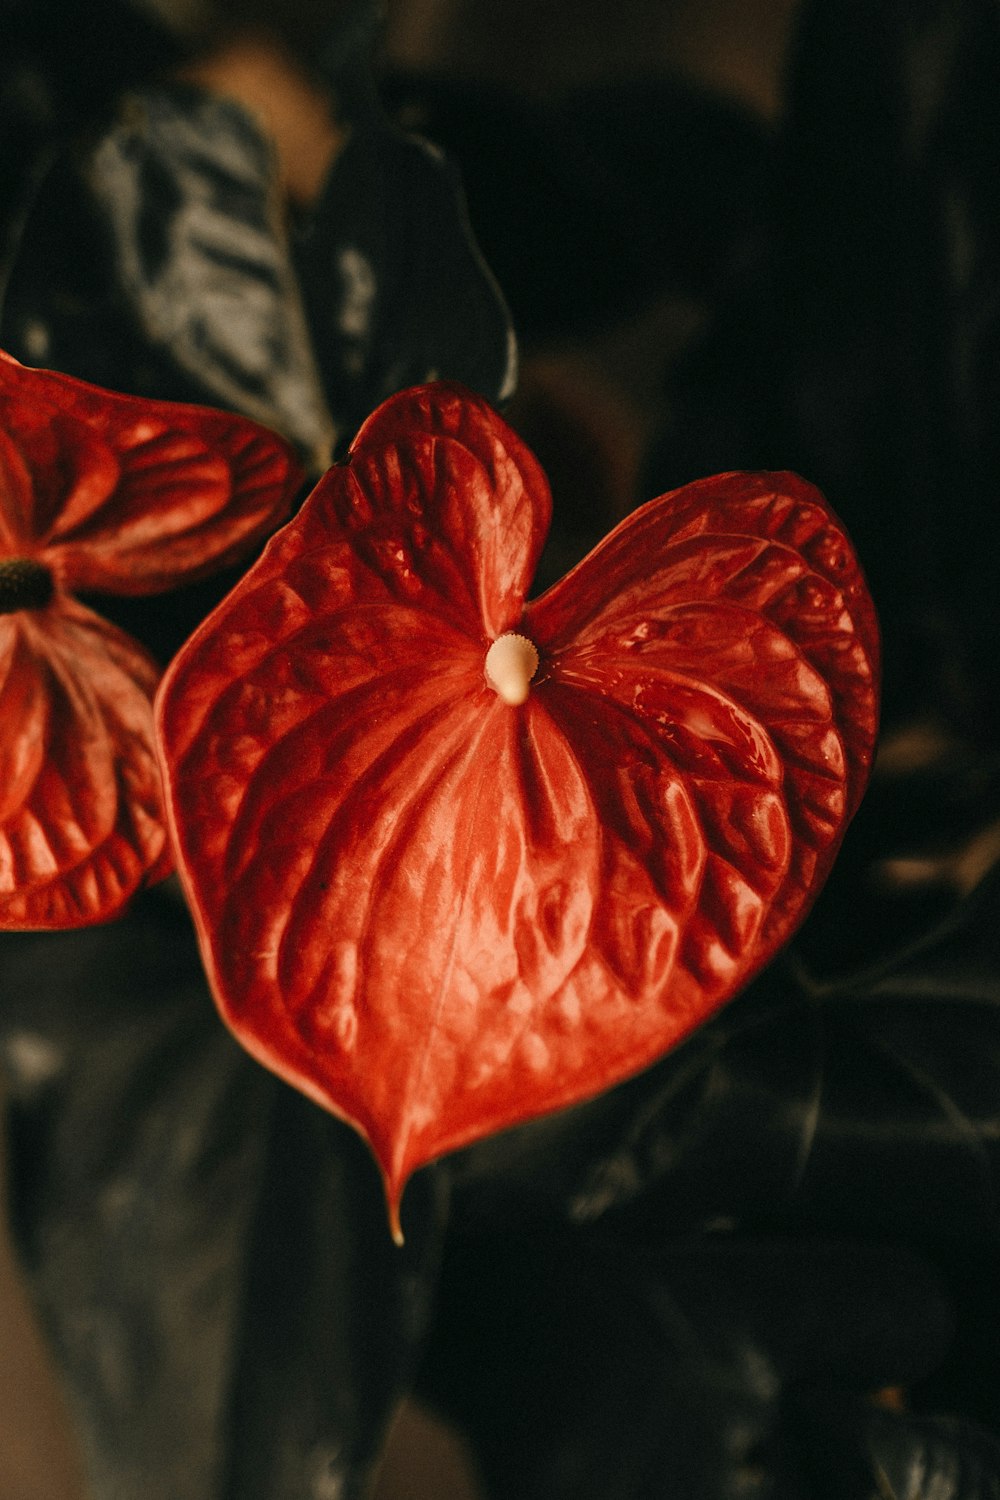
x=112 y=494
x=457 y=859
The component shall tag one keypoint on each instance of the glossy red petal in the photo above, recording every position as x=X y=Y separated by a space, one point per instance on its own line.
x=132 y=496
x=17 y=533
x=754 y=590
x=81 y=823
x=766 y=541
x=439 y=914
x=450 y=500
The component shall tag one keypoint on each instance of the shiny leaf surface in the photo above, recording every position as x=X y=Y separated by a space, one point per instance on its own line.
x=156 y=261
x=108 y=492
x=439 y=914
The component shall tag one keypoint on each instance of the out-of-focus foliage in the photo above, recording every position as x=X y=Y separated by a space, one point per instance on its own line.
x=799 y=1207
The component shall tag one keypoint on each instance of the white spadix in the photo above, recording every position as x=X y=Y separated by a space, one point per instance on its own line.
x=511 y=663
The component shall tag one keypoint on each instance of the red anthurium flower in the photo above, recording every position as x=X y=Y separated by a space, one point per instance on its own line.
x=110 y=493
x=457 y=859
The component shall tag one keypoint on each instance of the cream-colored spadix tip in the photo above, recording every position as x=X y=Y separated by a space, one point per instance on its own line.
x=511 y=663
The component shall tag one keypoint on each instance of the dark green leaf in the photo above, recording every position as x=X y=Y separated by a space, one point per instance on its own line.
x=158 y=265
x=395 y=289
x=208 y=1251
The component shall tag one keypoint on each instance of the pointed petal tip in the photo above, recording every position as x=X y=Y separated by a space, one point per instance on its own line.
x=393 y=1200
x=394 y=1176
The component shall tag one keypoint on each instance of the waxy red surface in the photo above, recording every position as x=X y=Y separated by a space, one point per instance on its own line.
x=120 y=495
x=439 y=914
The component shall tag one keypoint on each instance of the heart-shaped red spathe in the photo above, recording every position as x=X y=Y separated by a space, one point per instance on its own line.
x=440 y=913
x=113 y=493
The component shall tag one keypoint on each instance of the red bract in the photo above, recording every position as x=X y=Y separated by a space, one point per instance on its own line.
x=111 y=493
x=440 y=910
